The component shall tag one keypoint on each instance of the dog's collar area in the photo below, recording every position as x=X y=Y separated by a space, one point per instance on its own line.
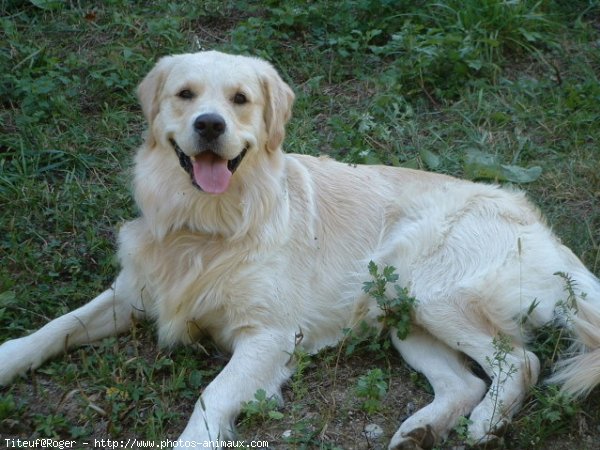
x=186 y=162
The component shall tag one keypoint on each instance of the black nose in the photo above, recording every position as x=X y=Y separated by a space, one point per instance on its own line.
x=209 y=126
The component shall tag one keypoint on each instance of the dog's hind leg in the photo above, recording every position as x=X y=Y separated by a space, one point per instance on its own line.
x=106 y=315
x=457 y=391
x=261 y=360
x=465 y=327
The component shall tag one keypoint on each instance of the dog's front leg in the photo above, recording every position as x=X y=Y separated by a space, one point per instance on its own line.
x=259 y=361
x=106 y=315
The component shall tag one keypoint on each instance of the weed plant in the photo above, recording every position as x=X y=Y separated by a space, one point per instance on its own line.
x=261 y=408
x=457 y=87
x=397 y=311
x=371 y=388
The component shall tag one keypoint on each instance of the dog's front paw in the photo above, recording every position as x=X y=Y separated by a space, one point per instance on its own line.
x=16 y=358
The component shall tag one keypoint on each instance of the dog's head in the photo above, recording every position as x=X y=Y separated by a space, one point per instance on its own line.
x=214 y=110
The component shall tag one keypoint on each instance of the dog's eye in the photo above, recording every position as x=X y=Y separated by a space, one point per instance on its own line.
x=239 y=99
x=185 y=94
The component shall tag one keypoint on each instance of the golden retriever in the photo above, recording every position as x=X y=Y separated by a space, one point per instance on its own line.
x=251 y=246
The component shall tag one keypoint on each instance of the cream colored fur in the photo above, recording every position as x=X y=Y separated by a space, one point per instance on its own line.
x=284 y=251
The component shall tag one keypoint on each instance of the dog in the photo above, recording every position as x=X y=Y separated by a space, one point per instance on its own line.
x=254 y=247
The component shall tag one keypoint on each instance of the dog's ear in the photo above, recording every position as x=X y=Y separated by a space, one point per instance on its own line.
x=279 y=99
x=149 y=89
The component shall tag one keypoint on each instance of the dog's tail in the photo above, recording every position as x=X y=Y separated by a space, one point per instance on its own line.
x=579 y=371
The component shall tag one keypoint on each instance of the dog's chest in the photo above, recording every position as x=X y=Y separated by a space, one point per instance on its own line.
x=207 y=285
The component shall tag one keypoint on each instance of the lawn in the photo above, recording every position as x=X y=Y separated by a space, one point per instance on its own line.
x=498 y=91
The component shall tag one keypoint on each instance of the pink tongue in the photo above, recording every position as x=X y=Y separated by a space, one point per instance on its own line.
x=211 y=173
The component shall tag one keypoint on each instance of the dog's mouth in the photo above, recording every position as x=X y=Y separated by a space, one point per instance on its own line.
x=209 y=172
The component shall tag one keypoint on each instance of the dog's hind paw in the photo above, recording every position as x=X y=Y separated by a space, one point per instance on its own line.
x=489 y=442
x=422 y=438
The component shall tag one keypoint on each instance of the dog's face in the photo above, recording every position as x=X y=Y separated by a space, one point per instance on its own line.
x=213 y=110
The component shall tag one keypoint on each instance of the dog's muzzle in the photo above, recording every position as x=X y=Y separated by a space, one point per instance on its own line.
x=186 y=162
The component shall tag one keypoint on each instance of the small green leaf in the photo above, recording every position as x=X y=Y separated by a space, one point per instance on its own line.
x=500 y=118
x=530 y=36
x=412 y=163
x=552 y=416
x=372 y=268
x=7 y=298
x=276 y=415
x=371 y=159
x=431 y=160
x=475 y=64
x=196 y=379
x=389 y=274
x=480 y=165
x=518 y=174
x=260 y=395
x=48 y=5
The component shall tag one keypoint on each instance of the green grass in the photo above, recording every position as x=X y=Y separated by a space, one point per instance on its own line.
x=407 y=83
